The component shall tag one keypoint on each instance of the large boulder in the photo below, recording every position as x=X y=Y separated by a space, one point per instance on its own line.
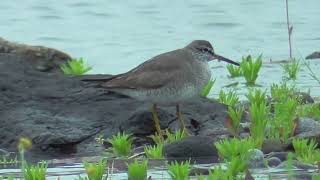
x=62 y=114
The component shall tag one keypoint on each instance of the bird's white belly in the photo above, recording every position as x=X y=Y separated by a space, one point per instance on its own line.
x=166 y=95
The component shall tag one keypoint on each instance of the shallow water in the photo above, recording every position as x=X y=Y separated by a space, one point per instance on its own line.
x=115 y=36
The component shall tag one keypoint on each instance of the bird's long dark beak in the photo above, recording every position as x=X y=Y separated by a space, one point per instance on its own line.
x=216 y=56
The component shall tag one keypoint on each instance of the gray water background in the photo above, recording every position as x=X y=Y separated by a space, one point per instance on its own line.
x=115 y=36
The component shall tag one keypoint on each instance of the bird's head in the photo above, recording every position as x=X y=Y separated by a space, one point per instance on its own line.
x=204 y=50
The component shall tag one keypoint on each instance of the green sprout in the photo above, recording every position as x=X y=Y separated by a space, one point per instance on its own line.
x=154 y=152
x=259 y=120
x=75 y=67
x=308 y=110
x=173 y=137
x=137 y=171
x=250 y=68
x=95 y=171
x=8 y=161
x=282 y=92
x=234 y=71
x=207 y=88
x=232 y=148
x=292 y=68
x=34 y=172
x=284 y=121
x=121 y=144
x=231 y=98
x=179 y=171
x=306 y=151
x=235 y=118
x=256 y=96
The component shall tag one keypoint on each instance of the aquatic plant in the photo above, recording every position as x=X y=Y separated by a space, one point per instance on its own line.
x=256 y=96
x=75 y=67
x=170 y=137
x=34 y=172
x=308 y=110
x=154 y=152
x=232 y=148
x=8 y=161
x=259 y=120
x=284 y=122
x=207 y=88
x=306 y=150
x=292 y=68
x=173 y=137
x=95 y=171
x=250 y=68
x=179 y=171
x=121 y=144
x=233 y=123
x=137 y=171
x=281 y=92
x=234 y=71
x=231 y=98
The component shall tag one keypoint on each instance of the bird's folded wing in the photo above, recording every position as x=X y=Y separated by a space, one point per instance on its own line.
x=155 y=73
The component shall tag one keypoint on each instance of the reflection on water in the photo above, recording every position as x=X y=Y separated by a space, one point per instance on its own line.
x=159 y=172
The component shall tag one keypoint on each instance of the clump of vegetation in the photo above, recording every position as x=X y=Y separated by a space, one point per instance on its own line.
x=231 y=98
x=292 y=68
x=8 y=161
x=170 y=137
x=259 y=120
x=231 y=148
x=282 y=92
x=137 y=171
x=233 y=123
x=250 y=68
x=207 y=88
x=284 y=121
x=75 y=67
x=34 y=172
x=256 y=96
x=309 y=110
x=30 y=172
x=234 y=71
x=121 y=144
x=95 y=171
x=154 y=152
x=179 y=171
x=306 y=151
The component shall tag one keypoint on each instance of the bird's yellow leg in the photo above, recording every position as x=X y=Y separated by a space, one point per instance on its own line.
x=182 y=124
x=156 y=120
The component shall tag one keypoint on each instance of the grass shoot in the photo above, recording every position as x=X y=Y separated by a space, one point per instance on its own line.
x=75 y=67
x=207 y=88
x=250 y=69
x=137 y=171
x=121 y=144
x=231 y=98
x=154 y=152
x=234 y=71
x=179 y=171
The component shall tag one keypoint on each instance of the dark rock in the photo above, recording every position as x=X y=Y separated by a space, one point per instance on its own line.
x=273 y=161
x=199 y=149
x=62 y=115
x=256 y=159
x=304 y=97
x=306 y=127
x=314 y=55
x=280 y=155
x=273 y=145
